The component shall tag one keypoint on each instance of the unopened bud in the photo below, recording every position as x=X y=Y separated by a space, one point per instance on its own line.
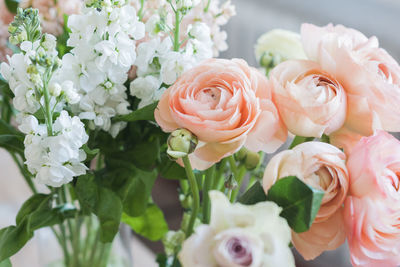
x=172 y=241
x=186 y=201
x=252 y=160
x=230 y=182
x=241 y=154
x=55 y=89
x=181 y=143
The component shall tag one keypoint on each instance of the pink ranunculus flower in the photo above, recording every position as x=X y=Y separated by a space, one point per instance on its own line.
x=5 y=18
x=310 y=101
x=323 y=167
x=372 y=211
x=226 y=104
x=370 y=76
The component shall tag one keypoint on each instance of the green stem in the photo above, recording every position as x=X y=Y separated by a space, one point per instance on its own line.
x=94 y=249
x=195 y=194
x=177 y=43
x=232 y=163
x=239 y=180
x=209 y=181
x=140 y=13
x=24 y=173
x=207 y=7
x=300 y=139
x=219 y=179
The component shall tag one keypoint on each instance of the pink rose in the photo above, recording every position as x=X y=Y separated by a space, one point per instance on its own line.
x=323 y=167
x=372 y=211
x=310 y=101
x=370 y=76
x=226 y=104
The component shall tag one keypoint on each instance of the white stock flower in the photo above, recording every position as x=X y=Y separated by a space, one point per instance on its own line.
x=56 y=159
x=103 y=52
x=239 y=236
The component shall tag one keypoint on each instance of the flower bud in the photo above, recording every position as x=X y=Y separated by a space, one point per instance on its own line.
x=172 y=241
x=252 y=160
x=181 y=143
x=186 y=201
x=230 y=182
x=241 y=154
x=55 y=89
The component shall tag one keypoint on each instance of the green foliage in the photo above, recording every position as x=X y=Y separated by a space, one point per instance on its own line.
x=146 y=113
x=6 y=263
x=169 y=169
x=253 y=195
x=12 y=5
x=102 y=202
x=165 y=261
x=90 y=153
x=35 y=213
x=151 y=224
x=299 y=201
x=62 y=39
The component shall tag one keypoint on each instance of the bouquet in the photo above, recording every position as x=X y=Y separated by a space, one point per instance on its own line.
x=120 y=93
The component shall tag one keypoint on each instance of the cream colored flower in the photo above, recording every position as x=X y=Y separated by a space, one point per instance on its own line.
x=238 y=236
x=283 y=43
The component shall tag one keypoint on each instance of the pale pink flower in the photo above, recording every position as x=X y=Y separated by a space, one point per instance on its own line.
x=372 y=211
x=369 y=75
x=321 y=166
x=226 y=104
x=5 y=18
x=310 y=100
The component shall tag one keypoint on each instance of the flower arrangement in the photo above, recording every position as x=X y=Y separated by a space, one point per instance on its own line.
x=130 y=91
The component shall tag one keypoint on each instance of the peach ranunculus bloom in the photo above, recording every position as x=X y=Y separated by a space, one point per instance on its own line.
x=5 y=18
x=310 y=101
x=321 y=166
x=226 y=104
x=372 y=210
x=369 y=75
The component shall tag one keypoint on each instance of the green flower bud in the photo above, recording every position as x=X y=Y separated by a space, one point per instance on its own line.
x=181 y=143
x=252 y=160
x=241 y=154
x=186 y=201
x=172 y=241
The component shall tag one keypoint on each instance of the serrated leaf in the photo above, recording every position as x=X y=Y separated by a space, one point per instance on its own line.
x=300 y=202
x=144 y=114
x=253 y=195
x=151 y=224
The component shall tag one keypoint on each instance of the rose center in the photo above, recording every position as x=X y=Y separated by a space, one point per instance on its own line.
x=210 y=96
x=239 y=251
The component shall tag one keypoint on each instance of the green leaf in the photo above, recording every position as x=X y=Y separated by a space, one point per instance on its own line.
x=299 y=140
x=101 y=201
x=144 y=114
x=12 y=5
x=299 y=201
x=30 y=206
x=164 y=261
x=151 y=224
x=169 y=169
x=12 y=143
x=13 y=238
x=6 y=263
x=253 y=195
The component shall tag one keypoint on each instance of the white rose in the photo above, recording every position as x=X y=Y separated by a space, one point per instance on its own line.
x=239 y=236
x=284 y=43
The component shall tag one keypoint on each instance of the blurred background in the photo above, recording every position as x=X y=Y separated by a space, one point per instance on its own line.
x=254 y=17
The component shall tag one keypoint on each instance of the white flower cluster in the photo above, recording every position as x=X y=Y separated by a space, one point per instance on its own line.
x=159 y=64
x=103 y=41
x=53 y=155
x=55 y=159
